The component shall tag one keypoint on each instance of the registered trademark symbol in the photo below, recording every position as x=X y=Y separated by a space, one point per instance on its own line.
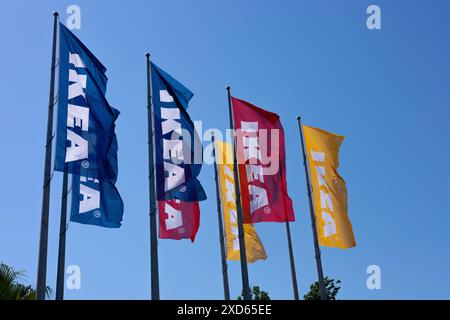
x=97 y=213
x=267 y=210
x=85 y=164
x=183 y=189
x=181 y=230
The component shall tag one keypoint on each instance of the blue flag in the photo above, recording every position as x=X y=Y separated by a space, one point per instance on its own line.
x=96 y=201
x=85 y=119
x=178 y=148
x=86 y=142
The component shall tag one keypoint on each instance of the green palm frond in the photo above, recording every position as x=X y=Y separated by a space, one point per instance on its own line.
x=11 y=289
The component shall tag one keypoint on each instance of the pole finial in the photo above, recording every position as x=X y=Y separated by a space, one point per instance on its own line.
x=55 y=13
x=147 y=54
x=228 y=88
x=299 y=118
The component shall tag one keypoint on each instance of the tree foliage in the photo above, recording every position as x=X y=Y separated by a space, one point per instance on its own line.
x=331 y=286
x=256 y=294
x=11 y=289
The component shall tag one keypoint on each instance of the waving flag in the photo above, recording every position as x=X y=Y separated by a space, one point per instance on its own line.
x=85 y=119
x=86 y=142
x=253 y=245
x=178 y=148
x=334 y=228
x=178 y=159
x=262 y=164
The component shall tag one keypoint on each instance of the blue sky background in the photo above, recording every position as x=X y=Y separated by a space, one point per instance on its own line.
x=386 y=91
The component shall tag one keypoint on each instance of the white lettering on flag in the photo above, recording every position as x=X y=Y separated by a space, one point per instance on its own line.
x=330 y=225
x=258 y=197
x=255 y=173
x=175 y=176
x=91 y=199
x=79 y=84
x=326 y=202
x=164 y=96
x=174 y=217
x=258 y=194
x=235 y=232
x=321 y=174
x=318 y=156
x=172 y=149
x=170 y=115
x=230 y=192
x=77 y=116
x=78 y=148
x=75 y=59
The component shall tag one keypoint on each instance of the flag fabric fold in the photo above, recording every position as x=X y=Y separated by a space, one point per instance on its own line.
x=334 y=228
x=261 y=155
x=178 y=158
x=86 y=143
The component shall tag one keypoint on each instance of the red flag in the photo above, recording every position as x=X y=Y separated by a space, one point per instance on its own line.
x=262 y=164
x=178 y=219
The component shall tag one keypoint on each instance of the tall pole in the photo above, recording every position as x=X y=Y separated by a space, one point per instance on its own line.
x=153 y=235
x=226 y=287
x=291 y=258
x=62 y=241
x=322 y=289
x=43 y=239
x=242 y=251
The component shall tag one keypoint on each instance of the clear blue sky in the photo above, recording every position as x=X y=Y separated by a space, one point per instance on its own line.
x=386 y=91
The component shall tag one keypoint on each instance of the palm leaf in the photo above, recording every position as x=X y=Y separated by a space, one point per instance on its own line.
x=11 y=289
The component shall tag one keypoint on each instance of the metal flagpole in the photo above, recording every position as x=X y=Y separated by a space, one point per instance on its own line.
x=153 y=232
x=243 y=253
x=62 y=241
x=43 y=240
x=291 y=258
x=322 y=289
x=226 y=287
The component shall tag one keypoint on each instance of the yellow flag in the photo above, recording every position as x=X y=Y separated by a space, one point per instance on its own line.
x=253 y=245
x=329 y=191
